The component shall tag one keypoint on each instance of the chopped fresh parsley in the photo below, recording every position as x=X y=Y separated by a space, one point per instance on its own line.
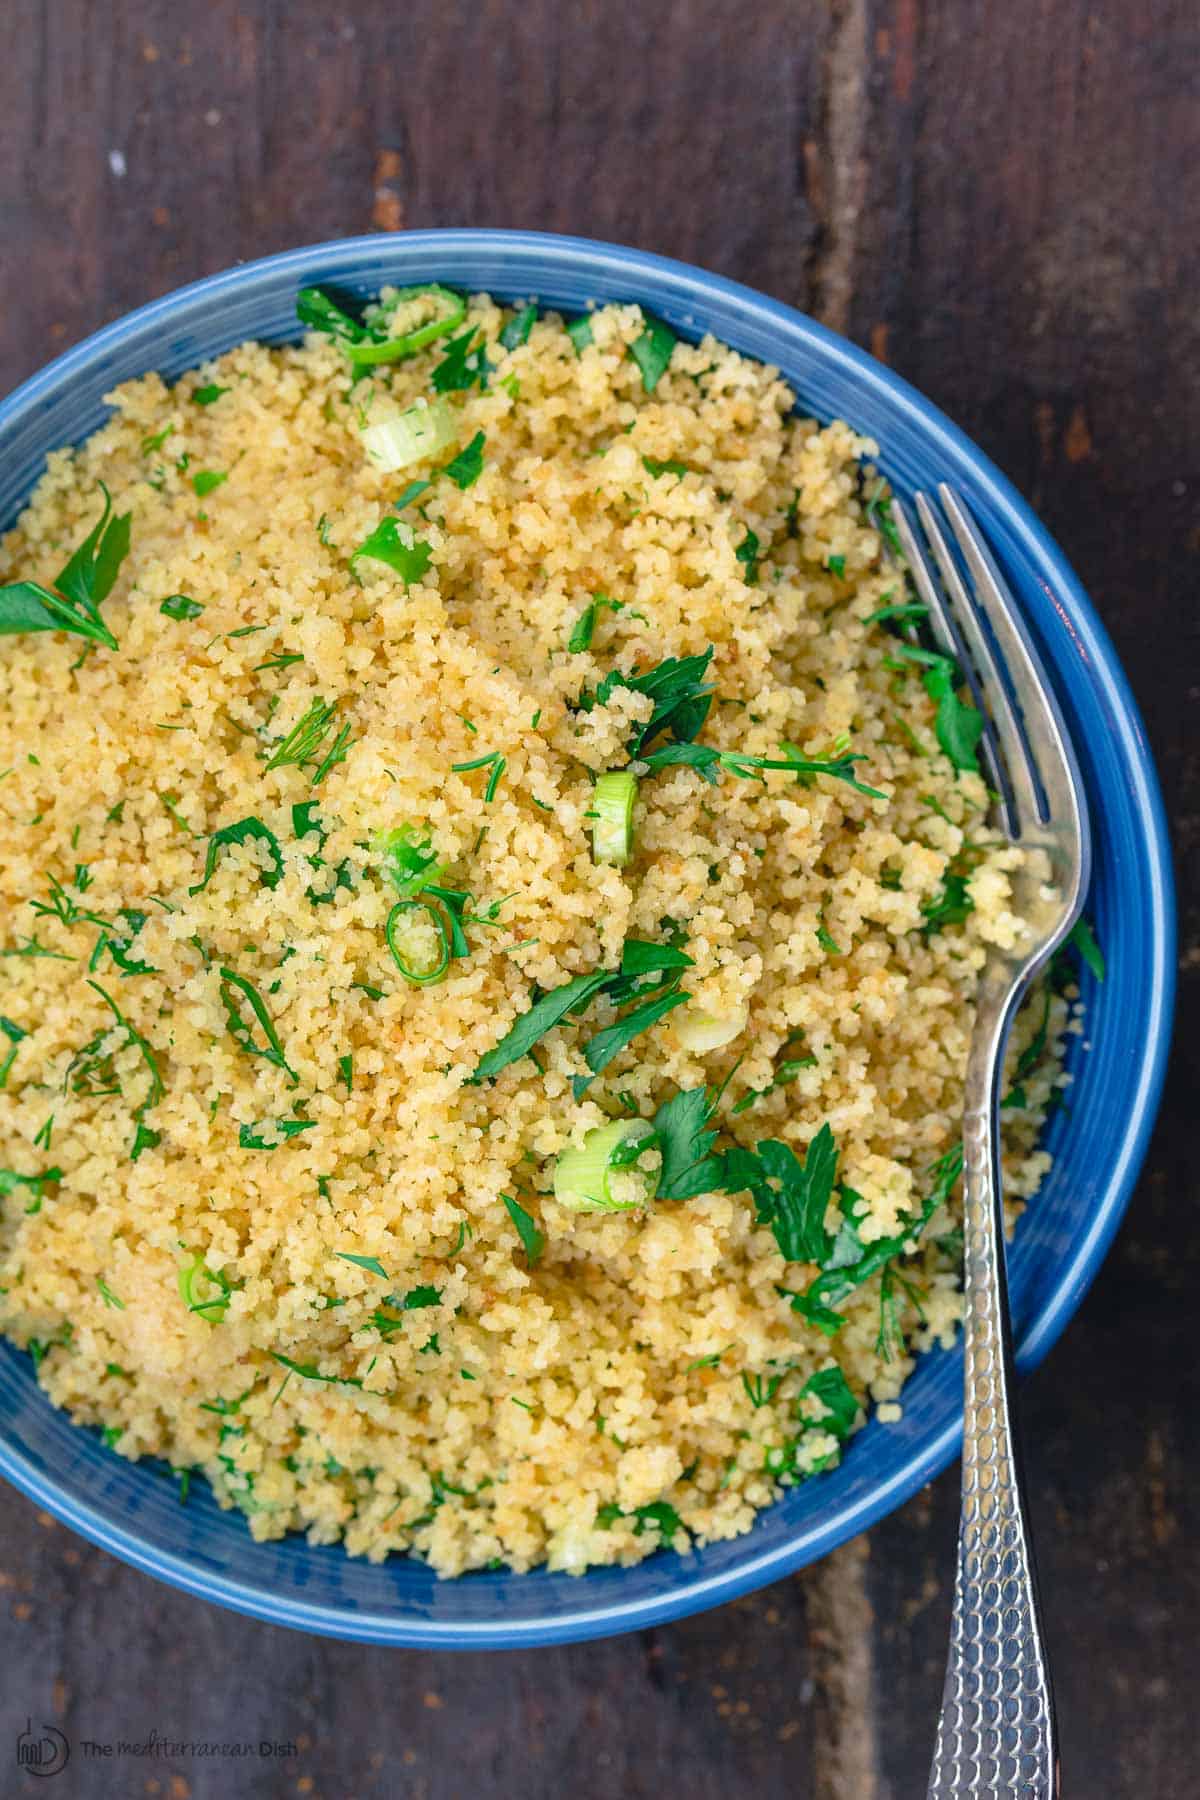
x=234 y=988
x=580 y=333
x=465 y=364
x=657 y=1513
x=82 y=584
x=585 y=625
x=655 y=468
x=790 y=1195
x=652 y=351
x=12 y=1179
x=253 y=1137
x=205 y=480
x=107 y=1295
x=747 y=553
x=371 y=1264
x=407 y=556
x=683 y=1137
x=677 y=688
x=837 y=566
x=1082 y=938
x=532 y=1240
x=466 y=468
x=518 y=328
x=243 y=832
x=178 y=606
x=204 y=396
x=310 y=1372
x=950 y=905
x=958 y=726
x=15 y=1036
x=412 y=492
x=709 y=762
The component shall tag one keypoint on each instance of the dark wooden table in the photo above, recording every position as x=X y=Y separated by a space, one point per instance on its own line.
x=1002 y=202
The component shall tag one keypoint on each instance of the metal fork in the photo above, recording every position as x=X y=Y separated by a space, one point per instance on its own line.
x=996 y=1734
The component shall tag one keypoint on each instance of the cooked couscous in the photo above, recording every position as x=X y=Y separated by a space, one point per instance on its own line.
x=429 y=683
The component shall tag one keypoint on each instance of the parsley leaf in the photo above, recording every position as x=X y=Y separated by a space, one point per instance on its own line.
x=178 y=606
x=655 y=468
x=652 y=351
x=15 y=1036
x=600 y=1050
x=465 y=364
x=747 y=553
x=580 y=332
x=958 y=726
x=233 y=985
x=543 y=1016
x=1083 y=939
x=412 y=492
x=517 y=330
x=252 y=1137
x=681 y=1127
x=532 y=1240
x=585 y=625
x=204 y=396
x=244 y=831
x=950 y=906
x=83 y=583
x=205 y=480
x=466 y=468
x=708 y=761
x=792 y=1196
x=676 y=686
x=408 y=556
x=371 y=1264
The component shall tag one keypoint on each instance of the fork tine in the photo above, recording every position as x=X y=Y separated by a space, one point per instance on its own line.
x=948 y=638
x=1046 y=740
x=1021 y=776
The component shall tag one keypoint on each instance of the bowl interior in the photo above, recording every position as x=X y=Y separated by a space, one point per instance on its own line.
x=133 y=1509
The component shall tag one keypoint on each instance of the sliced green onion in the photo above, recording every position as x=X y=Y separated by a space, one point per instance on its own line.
x=409 y=941
x=700 y=1031
x=193 y=1279
x=395 y=349
x=420 y=432
x=612 y=817
x=611 y=1170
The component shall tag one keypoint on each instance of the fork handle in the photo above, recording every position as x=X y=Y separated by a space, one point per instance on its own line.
x=996 y=1733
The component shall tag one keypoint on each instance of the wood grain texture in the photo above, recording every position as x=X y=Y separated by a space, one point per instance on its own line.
x=1001 y=202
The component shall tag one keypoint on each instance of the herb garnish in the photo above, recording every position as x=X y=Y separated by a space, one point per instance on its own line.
x=532 y=1240
x=517 y=331
x=585 y=625
x=15 y=1036
x=957 y=726
x=465 y=469
x=82 y=584
x=91 y=1064
x=244 y=831
x=659 y=1513
x=233 y=984
x=204 y=396
x=306 y=737
x=407 y=556
x=178 y=606
x=465 y=364
x=495 y=762
x=251 y=1137
x=652 y=350
x=747 y=553
x=205 y=480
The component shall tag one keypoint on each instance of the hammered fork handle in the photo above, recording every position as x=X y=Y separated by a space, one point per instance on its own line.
x=996 y=1736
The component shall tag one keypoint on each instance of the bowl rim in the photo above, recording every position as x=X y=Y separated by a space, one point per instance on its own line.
x=689 y=284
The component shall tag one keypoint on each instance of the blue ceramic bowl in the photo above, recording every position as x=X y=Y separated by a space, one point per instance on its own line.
x=133 y=1510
